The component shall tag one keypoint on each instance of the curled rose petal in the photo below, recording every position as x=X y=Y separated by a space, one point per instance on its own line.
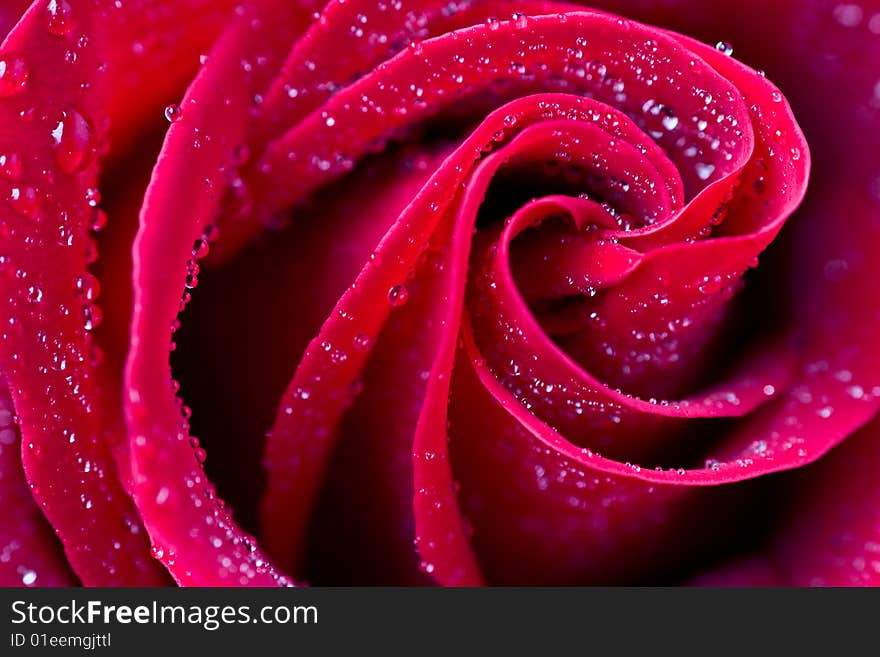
x=58 y=98
x=649 y=247
x=192 y=533
x=50 y=136
x=533 y=278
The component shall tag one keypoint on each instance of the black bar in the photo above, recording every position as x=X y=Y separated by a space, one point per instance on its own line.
x=430 y=621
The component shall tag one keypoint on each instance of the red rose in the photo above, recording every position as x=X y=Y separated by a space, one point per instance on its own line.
x=531 y=282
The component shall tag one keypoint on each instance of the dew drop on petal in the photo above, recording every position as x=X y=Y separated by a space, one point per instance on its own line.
x=200 y=248
x=60 y=17
x=87 y=286
x=670 y=122
x=848 y=14
x=173 y=113
x=10 y=166
x=705 y=170
x=73 y=142
x=92 y=316
x=99 y=220
x=161 y=497
x=93 y=197
x=362 y=342
x=724 y=47
x=24 y=200
x=397 y=295
x=521 y=21
x=13 y=76
x=34 y=294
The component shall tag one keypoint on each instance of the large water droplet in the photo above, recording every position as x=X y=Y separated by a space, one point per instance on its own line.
x=13 y=76
x=173 y=113
x=521 y=21
x=726 y=48
x=24 y=200
x=200 y=248
x=73 y=140
x=397 y=295
x=60 y=17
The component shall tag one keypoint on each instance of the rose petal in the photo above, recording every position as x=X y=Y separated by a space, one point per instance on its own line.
x=299 y=449
x=30 y=554
x=46 y=346
x=193 y=533
x=827 y=533
x=361 y=35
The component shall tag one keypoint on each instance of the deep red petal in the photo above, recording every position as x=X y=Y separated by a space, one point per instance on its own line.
x=30 y=554
x=53 y=124
x=193 y=533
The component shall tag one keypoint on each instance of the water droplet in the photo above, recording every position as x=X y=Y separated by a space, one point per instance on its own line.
x=173 y=113
x=28 y=578
x=704 y=170
x=10 y=166
x=192 y=274
x=397 y=295
x=162 y=496
x=759 y=446
x=73 y=141
x=362 y=342
x=24 y=200
x=13 y=76
x=92 y=316
x=87 y=286
x=200 y=248
x=60 y=17
x=848 y=14
x=670 y=122
x=856 y=392
x=93 y=197
x=34 y=294
x=99 y=220
x=726 y=48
